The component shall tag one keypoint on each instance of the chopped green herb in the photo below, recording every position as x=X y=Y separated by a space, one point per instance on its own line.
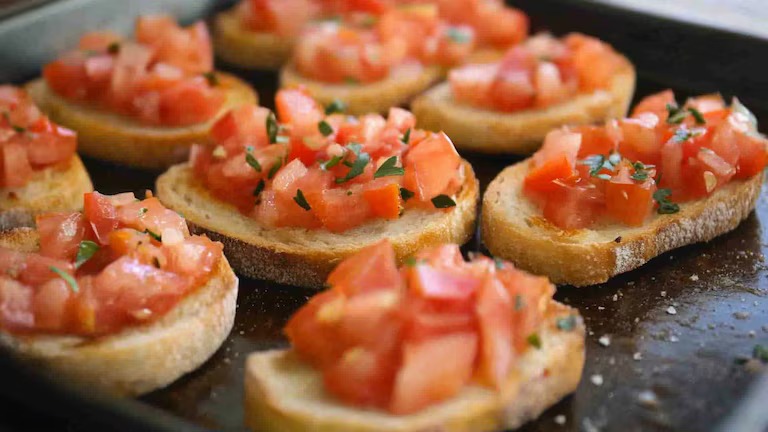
x=534 y=340
x=113 y=48
x=272 y=128
x=355 y=148
x=614 y=159
x=349 y=193
x=457 y=35
x=351 y=81
x=410 y=261
x=331 y=163
x=212 y=78
x=357 y=168
x=443 y=201
x=666 y=206
x=153 y=234
x=85 y=251
x=388 y=168
x=18 y=129
x=275 y=168
x=337 y=106
x=499 y=263
x=566 y=324
x=697 y=115
x=67 y=278
x=143 y=211
x=676 y=115
x=405 y=194
x=641 y=173
x=407 y=136
x=252 y=161
x=597 y=163
x=301 y=201
x=519 y=302
x=683 y=134
x=259 y=188
x=324 y=128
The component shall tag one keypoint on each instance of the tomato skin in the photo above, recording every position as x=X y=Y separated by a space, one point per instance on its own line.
x=309 y=332
x=361 y=378
x=494 y=315
x=572 y=206
x=426 y=163
x=656 y=104
x=189 y=102
x=628 y=202
x=753 y=157
x=101 y=215
x=60 y=234
x=371 y=269
x=384 y=201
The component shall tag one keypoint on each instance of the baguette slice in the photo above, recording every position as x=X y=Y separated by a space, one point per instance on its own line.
x=283 y=394
x=303 y=257
x=138 y=359
x=54 y=189
x=113 y=137
x=513 y=228
x=248 y=49
x=405 y=83
x=522 y=132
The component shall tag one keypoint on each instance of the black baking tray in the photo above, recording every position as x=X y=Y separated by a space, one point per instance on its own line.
x=688 y=360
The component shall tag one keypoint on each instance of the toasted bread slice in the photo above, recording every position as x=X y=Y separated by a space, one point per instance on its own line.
x=283 y=394
x=405 y=83
x=522 y=132
x=141 y=358
x=109 y=136
x=248 y=49
x=303 y=257
x=513 y=228
x=56 y=188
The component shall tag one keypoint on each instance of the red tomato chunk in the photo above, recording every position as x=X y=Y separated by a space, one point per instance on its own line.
x=664 y=154
x=305 y=168
x=120 y=262
x=404 y=339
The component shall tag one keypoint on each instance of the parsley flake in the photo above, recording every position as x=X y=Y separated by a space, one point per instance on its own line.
x=301 y=201
x=666 y=206
x=272 y=128
x=330 y=163
x=407 y=136
x=405 y=194
x=357 y=167
x=259 y=188
x=212 y=78
x=67 y=278
x=499 y=263
x=566 y=323
x=388 y=168
x=676 y=115
x=519 y=302
x=337 y=106
x=534 y=340
x=113 y=48
x=410 y=261
x=698 y=116
x=275 y=168
x=443 y=201
x=457 y=35
x=324 y=128
x=153 y=234
x=85 y=251
x=252 y=161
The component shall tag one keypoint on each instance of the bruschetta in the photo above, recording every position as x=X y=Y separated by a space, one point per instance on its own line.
x=438 y=344
x=372 y=68
x=509 y=106
x=290 y=199
x=118 y=298
x=597 y=201
x=39 y=169
x=140 y=103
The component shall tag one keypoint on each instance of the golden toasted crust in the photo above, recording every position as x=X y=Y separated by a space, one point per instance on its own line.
x=305 y=257
x=404 y=83
x=108 y=136
x=521 y=132
x=56 y=188
x=282 y=394
x=513 y=228
x=248 y=49
x=141 y=358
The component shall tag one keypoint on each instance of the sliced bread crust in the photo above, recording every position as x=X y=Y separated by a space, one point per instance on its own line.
x=140 y=358
x=398 y=89
x=248 y=49
x=54 y=189
x=513 y=228
x=522 y=132
x=283 y=394
x=109 y=136
x=303 y=257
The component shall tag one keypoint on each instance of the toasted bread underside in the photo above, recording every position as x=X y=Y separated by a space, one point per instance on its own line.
x=54 y=189
x=305 y=257
x=247 y=49
x=398 y=89
x=513 y=228
x=141 y=358
x=486 y=131
x=109 y=136
x=283 y=394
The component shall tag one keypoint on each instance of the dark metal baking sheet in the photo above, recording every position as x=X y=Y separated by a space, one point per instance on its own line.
x=719 y=292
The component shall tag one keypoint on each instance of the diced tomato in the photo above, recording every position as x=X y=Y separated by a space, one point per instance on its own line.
x=494 y=315
x=51 y=305
x=297 y=108
x=431 y=283
x=15 y=305
x=187 y=48
x=627 y=201
x=361 y=377
x=472 y=83
x=49 y=144
x=641 y=140
x=384 y=201
x=15 y=170
x=427 y=163
x=423 y=381
x=60 y=234
x=189 y=102
x=500 y=26
x=595 y=140
x=371 y=269
x=101 y=215
x=572 y=206
x=68 y=77
x=283 y=17
x=752 y=155
x=39 y=269
x=656 y=104
x=243 y=126
x=314 y=325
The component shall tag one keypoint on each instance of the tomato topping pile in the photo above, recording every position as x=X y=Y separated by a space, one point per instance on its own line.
x=319 y=168
x=348 y=52
x=120 y=262
x=538 y=73
x=29 y=141
x=163 y=78
x=403 y=339
x=663 y=154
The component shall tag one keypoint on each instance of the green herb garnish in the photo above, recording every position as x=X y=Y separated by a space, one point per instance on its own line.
x=443 y=201
x=566 y=324
x=331 y=163
x=534 y=340
x=666 y=206
x=407 y=136
x=697 y=115
x=676 y=115
x=324 y=128
x=388 y=168
x=212 y=78
x=683 y=134
x=410 y=261
x=499 y=263
x=597 y=163
x=405 y=194
x=301 y=201
x=252 y=161
x=357 y=167
x=337 y=106
x=456 y=35
x=272 y=128
x=153 y=234
x=275 y=168
x=67 y=278
x=113 y=48
x=85 y=251
x=519 y=302
x=259 y=188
